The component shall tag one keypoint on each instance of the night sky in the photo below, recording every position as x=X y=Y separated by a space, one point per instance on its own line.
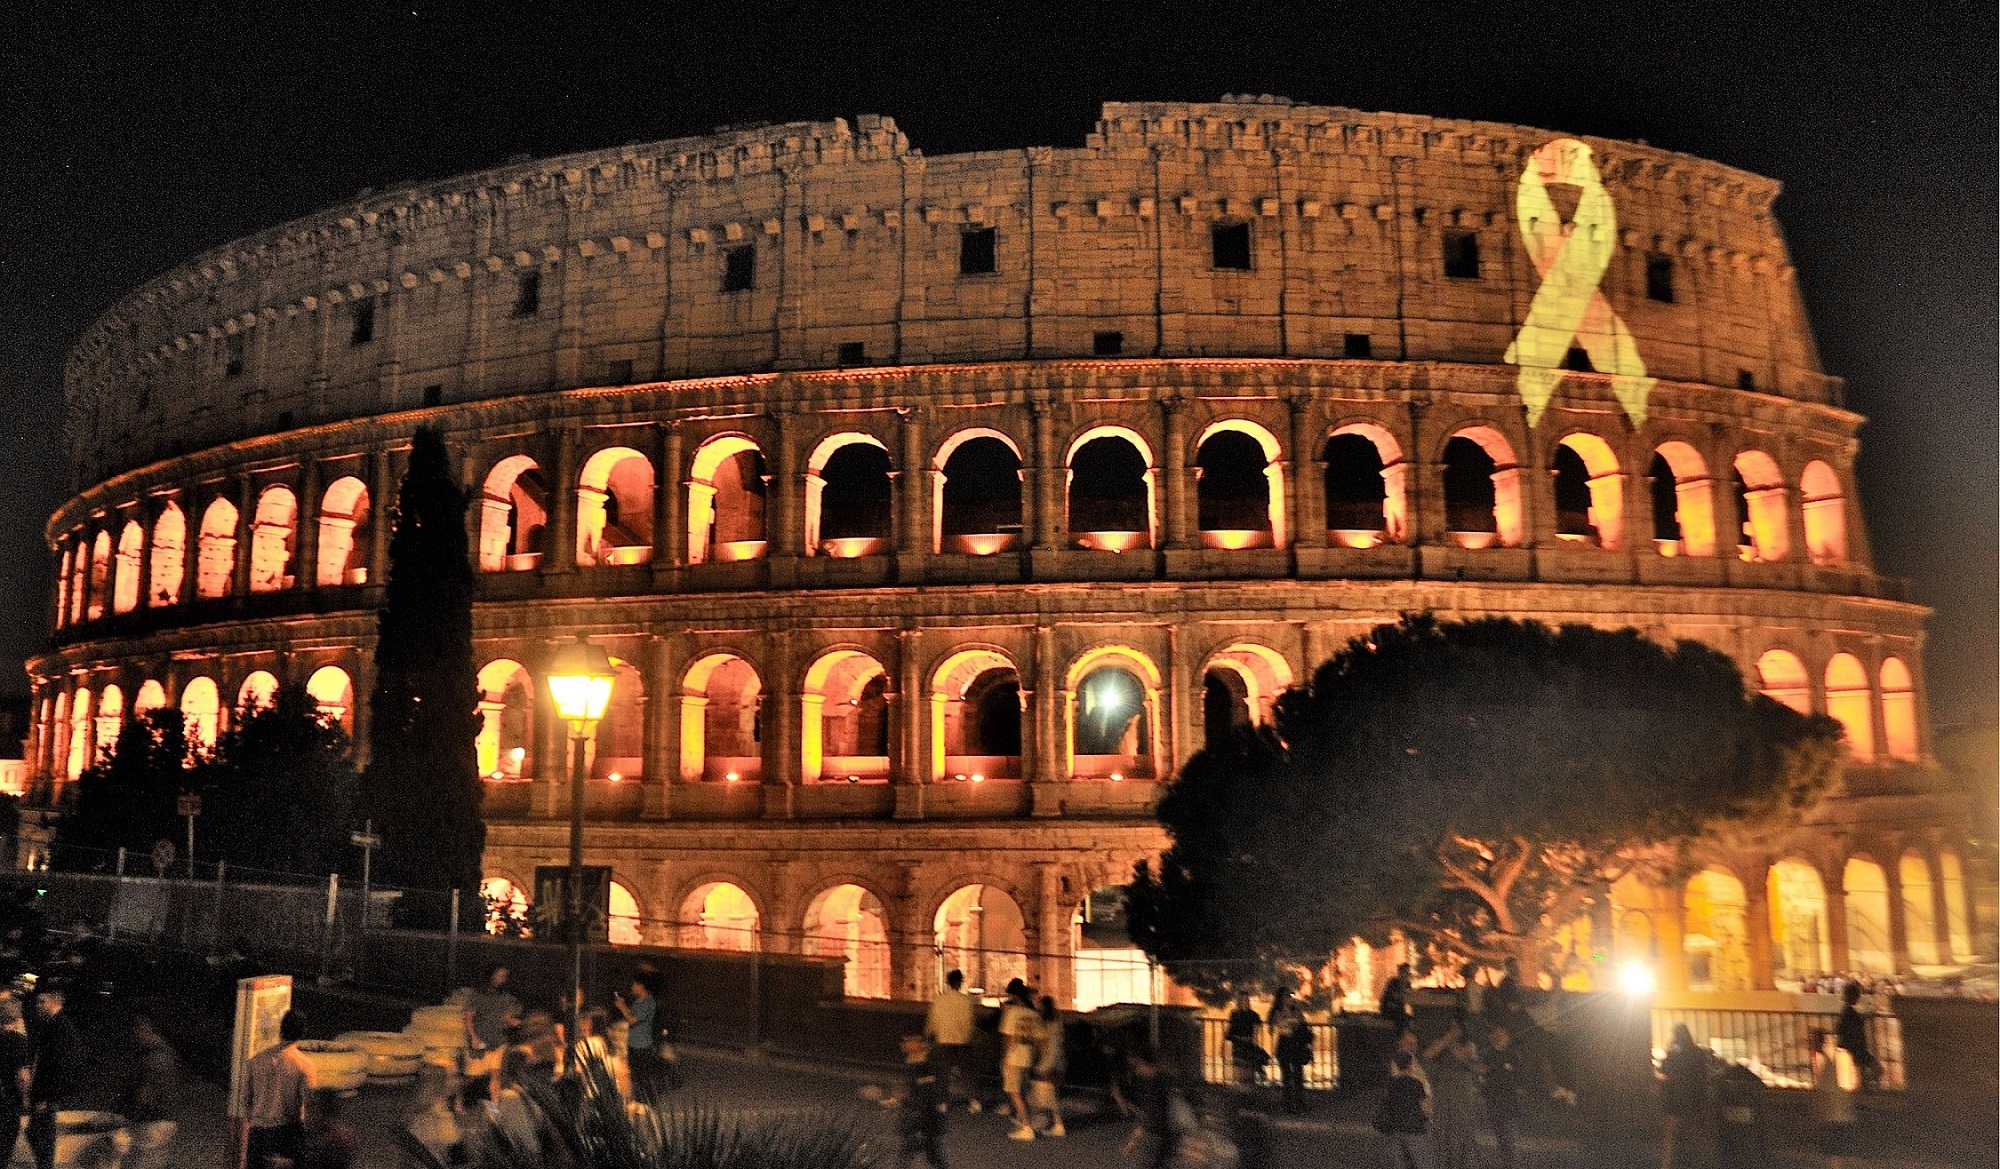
x=132 y=142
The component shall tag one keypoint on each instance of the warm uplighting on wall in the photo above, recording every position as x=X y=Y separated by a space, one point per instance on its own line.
x=1111 y=541
x=732 y=777
x=1355 y=537
x=1235 y=539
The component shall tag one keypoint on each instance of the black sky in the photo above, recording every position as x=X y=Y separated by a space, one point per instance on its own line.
x=129 y=143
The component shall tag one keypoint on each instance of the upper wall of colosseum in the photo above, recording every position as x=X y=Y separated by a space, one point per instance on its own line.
x=1177 y=229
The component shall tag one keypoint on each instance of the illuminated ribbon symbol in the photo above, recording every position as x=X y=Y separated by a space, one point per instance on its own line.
x=1569 y=306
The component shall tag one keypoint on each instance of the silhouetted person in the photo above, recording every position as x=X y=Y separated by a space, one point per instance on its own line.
x=277 y=1083
x=58 y=1074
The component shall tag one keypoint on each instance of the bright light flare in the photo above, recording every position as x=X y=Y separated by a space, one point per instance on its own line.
x=1636 y=978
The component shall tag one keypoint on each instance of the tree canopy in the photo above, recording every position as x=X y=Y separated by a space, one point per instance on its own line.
x=127 y=799
x=278 y=790
x=422 y=785
x=1474 y=785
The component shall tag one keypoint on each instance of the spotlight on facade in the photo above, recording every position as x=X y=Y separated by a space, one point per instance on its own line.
x=732 y=777
x=977 y=778
x=1636 y=978
x=614 y=777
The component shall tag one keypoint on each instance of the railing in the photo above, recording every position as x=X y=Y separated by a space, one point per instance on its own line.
x=1777 y=1045
x=1323 y=1072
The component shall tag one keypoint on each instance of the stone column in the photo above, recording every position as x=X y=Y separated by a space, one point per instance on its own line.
x=1045 y=477
x=1757 y=923
x=1940 y=904
x=1670 y=929
x=1836 y=924
x=305 y=537
x=550 y=753
x=1180 y=518
x=662 y=731
x=1424 y=503
x=669 y=530
x=559 y=541
x=246 y=529
x=381 y=512
x=1899 y=918
x=1049 y=964
x=911 y=938
x=1305 y=475
x=913 y=518
x=146 y=517
x=909 y=758
x=1049 y=769
x=780 y=720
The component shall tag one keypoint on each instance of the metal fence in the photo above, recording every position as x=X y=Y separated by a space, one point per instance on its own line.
x=1777 y=1045
x=1218 y=1067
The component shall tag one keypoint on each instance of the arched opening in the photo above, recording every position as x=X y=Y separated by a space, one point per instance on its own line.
x=344 y=531
x=1225 y=705
x=201 y=711
x=1367 y=498
x=1958 y=925
x=506 y=720
x=1801 y=944
x=1824 y=513
x=721 y=699
x=1683 y=508
x=332 y=690
x=626 y=927
x=100 y=575
x=1781 y=676
x=847 y=922
x=1899 y=711
x=1113 y=701
x=59 y=737
x=152 y=696
x=979 y=929
x=169 y=552
x=79 y=733
x=1848 y=700
x=125 y=580
x=271 y=540
x=259 y=690
x=1239 y=488
x=1590 y=493
x=1866 y=891
x=110 y=717
x=79 y=580
x=619 y=747
x=1110 y=492
x=1760 y=508
x=614 y=508
x=215 y=558
x=1919 y=909
x=976 y=496
x=63 y=586
x=976 y=717
x=719 y=916
x=1482 y=490
x=1241 y=682
x=1714 y=936
x=726 y=493
x=845 y=720
x=513 y=516
x=1108 y=967
x=847 y=505
x=506 y=907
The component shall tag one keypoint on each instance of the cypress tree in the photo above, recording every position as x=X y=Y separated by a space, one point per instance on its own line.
x=422 y=785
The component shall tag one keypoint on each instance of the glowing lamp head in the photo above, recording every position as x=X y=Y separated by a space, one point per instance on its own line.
x=580 y=681
x=1636 y=978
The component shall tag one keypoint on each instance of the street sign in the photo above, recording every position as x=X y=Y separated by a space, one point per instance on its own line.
x=163 y=855
x=365 y=839
x=188 y=805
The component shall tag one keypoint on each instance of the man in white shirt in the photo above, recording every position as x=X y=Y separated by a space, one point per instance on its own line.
x=949 y=1028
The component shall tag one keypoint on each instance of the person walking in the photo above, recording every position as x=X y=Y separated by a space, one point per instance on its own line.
x=1404 y=1115
x=1683 y=1077
x=277 y=1084
x=1852 y=1034
x=921 y=1106
x=1500 y=1089
x=491 y=1014
x=1019 y=1024
x=642 y=1039
x=1293 y=1040
x=1051 y=1061
x=1164 y=1115
x=152 y=1083
x=948 y=1026
x=1453 y=1062
x=1395 y=1004
x=17 y=1059
x=1832 y=1101
x=57 y=1077
x=1246 y=1056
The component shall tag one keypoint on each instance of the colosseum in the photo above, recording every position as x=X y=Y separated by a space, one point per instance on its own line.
x=935 y=509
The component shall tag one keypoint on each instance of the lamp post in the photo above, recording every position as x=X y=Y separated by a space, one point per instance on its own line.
x=580 y=683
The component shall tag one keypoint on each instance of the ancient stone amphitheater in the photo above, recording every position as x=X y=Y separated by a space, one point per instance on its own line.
x=935 y=509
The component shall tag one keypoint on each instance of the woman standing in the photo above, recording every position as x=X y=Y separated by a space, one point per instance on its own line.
x=1294 y=1043
x=1045 y=1088
x=1683 y=1079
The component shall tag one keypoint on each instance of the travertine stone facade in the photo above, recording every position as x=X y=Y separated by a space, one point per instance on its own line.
x=734 y=469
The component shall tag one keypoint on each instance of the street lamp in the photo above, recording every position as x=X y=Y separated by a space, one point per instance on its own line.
x=580 y=683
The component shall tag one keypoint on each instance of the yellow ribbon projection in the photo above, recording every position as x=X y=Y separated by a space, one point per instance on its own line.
x=1571 y=258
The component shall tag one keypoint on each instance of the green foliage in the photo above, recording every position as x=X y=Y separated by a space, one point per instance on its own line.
x=1472 y=784
x=278 y=790
x=422 y=786
x=126 y=800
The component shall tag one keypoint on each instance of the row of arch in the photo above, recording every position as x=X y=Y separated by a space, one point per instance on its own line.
x=1110 y=501
x=1878 y=714
x=81 y=724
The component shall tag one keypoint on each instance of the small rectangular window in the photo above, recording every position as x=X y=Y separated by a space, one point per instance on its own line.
x=232 y=357
x=1229 y=246
x=1359 y=345
x=619 y=373
x=1107 y=344
x=977 y=253
x=853 y=353
x=1461 y=255
x=1660 y=279
x=1745 y=380
x=739 y=268
x=362 y=317
x=528 y=294
x=434 y=395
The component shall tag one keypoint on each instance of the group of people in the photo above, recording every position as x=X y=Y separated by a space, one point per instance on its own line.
x=1033 y=1058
